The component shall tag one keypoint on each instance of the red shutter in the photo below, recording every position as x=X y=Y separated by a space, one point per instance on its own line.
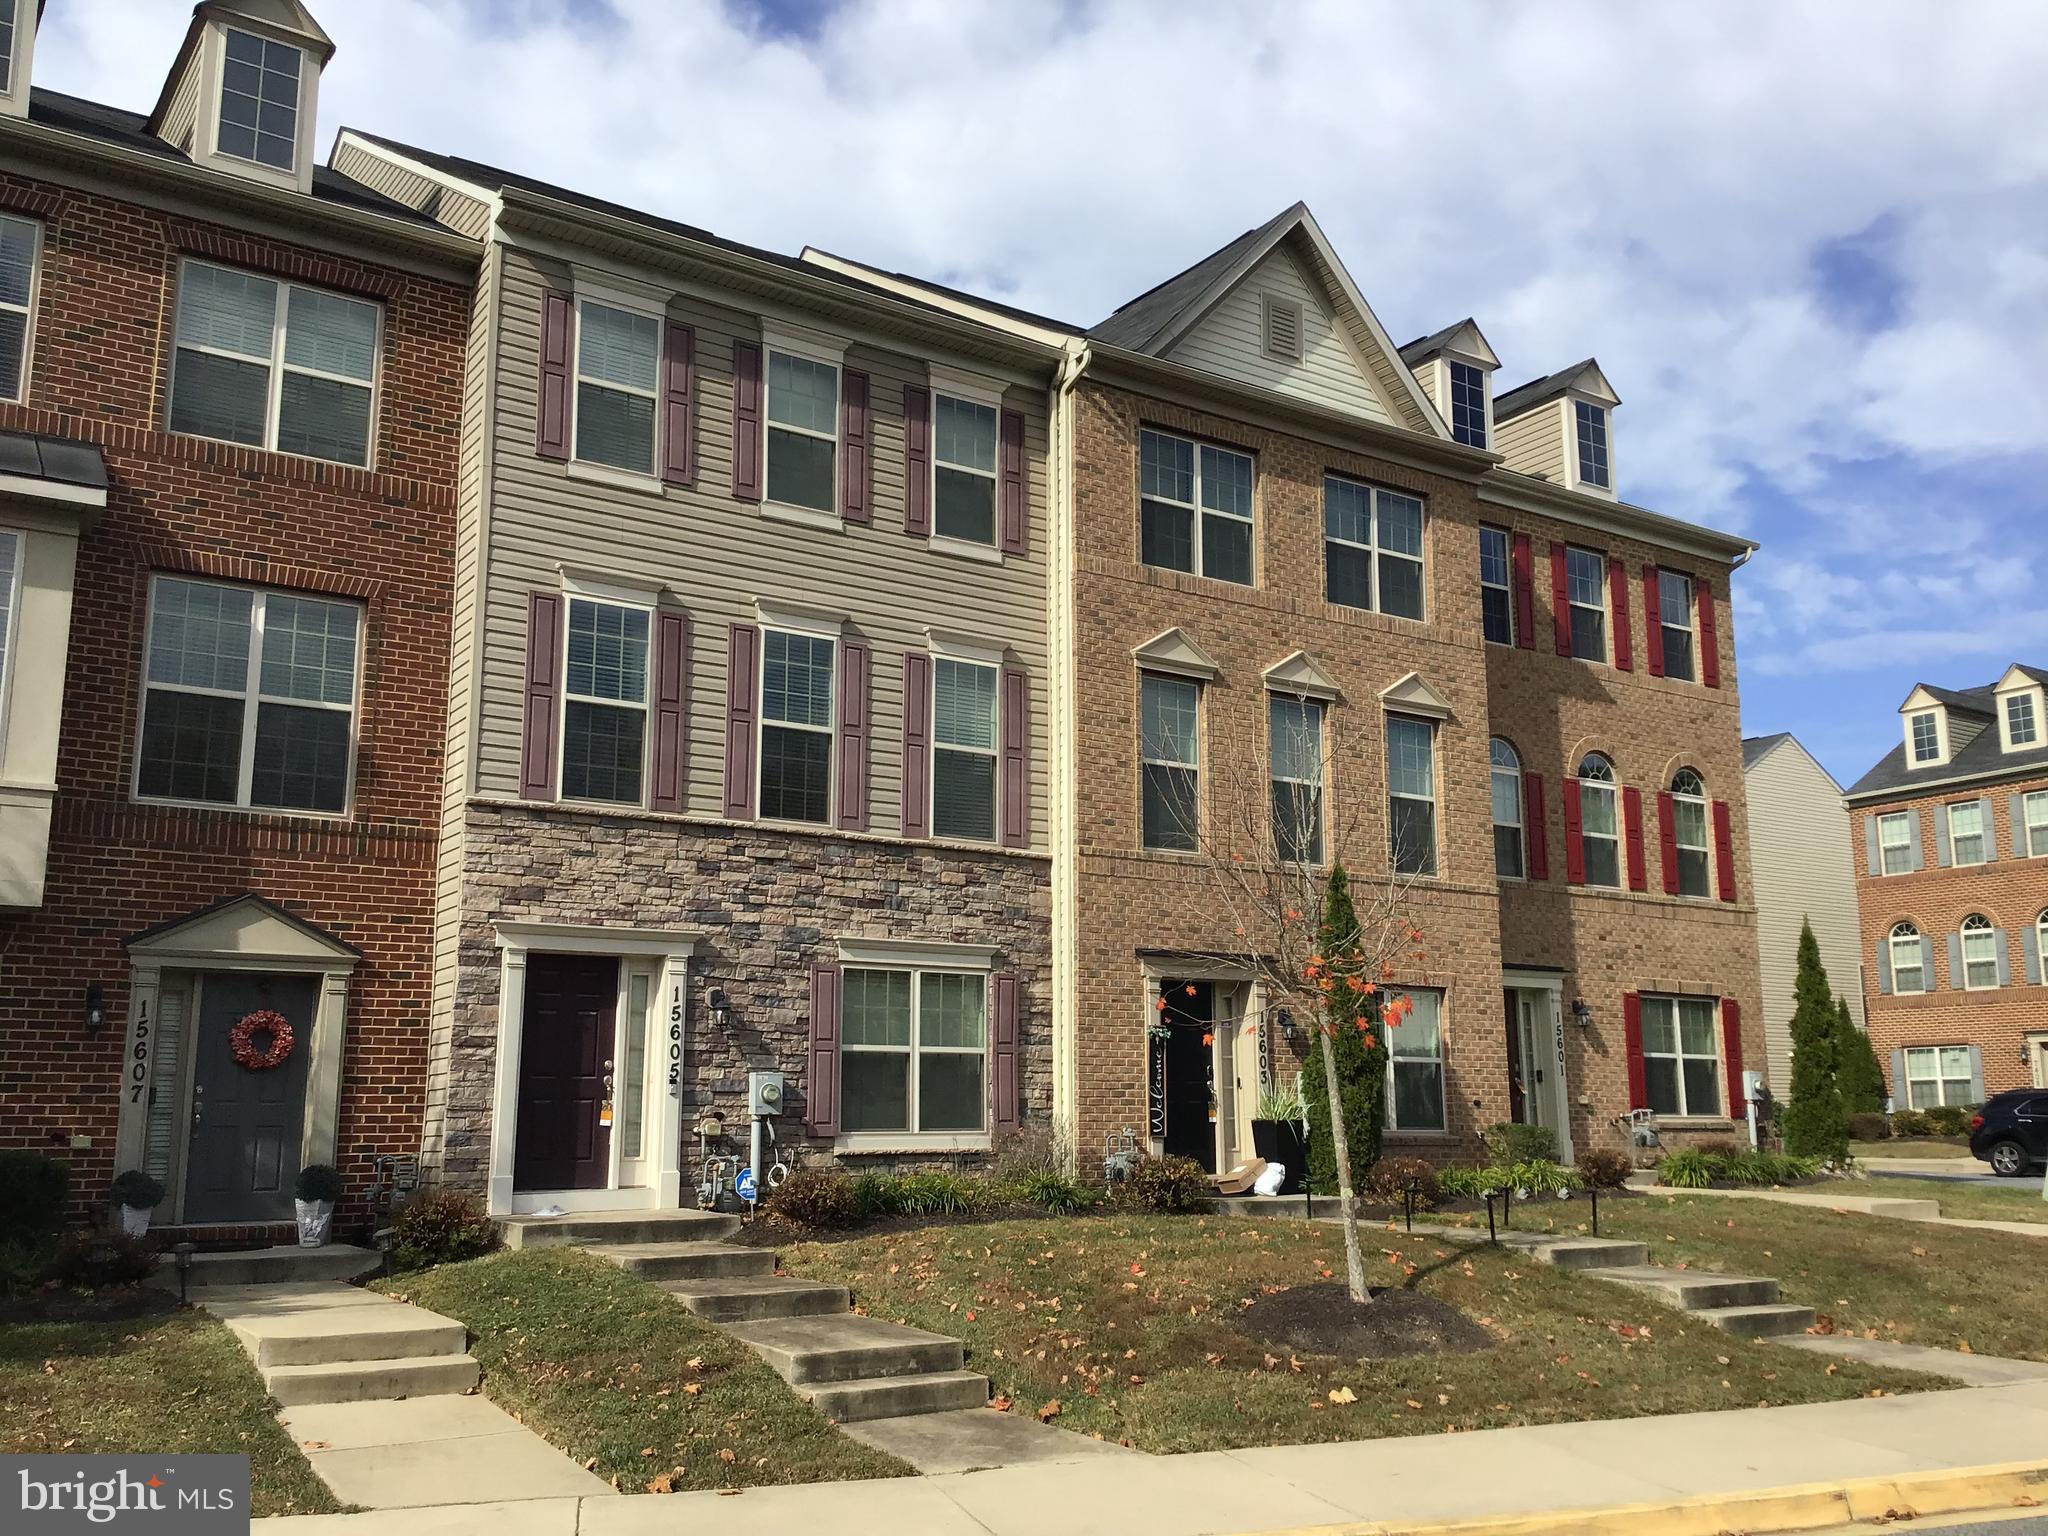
x=1632 y=1046
x=1574 y=836
x=854 y=447
x=821 y=1090
x=917 y=460
x=557 y=340
x=538 y=730
x=1003 y=1048
x=1014 y=518
x=1724 y=850
x=671 y=711
x=679 y=406
x=1653 y=620
x=1617 y=599
x=742 y=669
x=1535 y=823
x=1560 y=601
x=746 y=421
x=1014 y=724
x=1525 y=593
x=852 y=789
x=1632 y=836
x=1731 y=1048
x=1710 y=640
x=1667 y=841
x=917 y=744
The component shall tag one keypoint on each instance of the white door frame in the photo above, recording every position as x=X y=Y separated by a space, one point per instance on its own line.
x=2037 y=1057
x=1550 y=1052
x=661 y=1128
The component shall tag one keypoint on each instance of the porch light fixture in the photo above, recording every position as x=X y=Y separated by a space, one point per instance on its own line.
x=95 y=1008
x=1286 y=1021
x=721 y=1007
x=1581 y=1014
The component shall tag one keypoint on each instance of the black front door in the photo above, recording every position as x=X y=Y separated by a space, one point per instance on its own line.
x=1190 y=1071
x=247 y=1125
x=565 y=1067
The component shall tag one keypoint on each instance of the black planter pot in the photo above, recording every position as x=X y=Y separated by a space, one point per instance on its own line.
x=1284 y=1142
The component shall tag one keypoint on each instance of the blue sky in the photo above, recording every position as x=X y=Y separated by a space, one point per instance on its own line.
x=1805 y=240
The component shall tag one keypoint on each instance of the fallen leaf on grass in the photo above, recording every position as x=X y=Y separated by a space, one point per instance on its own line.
x=1048 y=1411
x=1343 y=1395
x=725 y=1455
x=665 y=1483
x=590 y=1465
x=1000 y=1403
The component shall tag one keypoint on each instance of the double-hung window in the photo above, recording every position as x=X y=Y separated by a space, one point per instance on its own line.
x=796 y=726
x=1966 y=831
x=2022 y=729
x=1592 y=434
x=963 y=470
x=604 y=702
x=248 y=698
x=259 y=100
x=1689 y=832
x=1674 y=614
x=1908 y=955
x=1195 y=508
x=1585 y=576
x=1926 y=732
x=1468 y=404
x=1496 y=596
x=272 y=364
x=1372 y=548
x=963 y=749
x=1415 y=1063
x=1938 y=1075
x=913 y=1051
x=1681 y=1064
x=1599 y=822
x=1295 y=743
x=1509 y=850
x=1168 y=755
x=19 y=242
x=618 y=363
x=1895 y=842
x=803 y=430
x=2034 y=812
x=1980 y=954
x=1411 y=794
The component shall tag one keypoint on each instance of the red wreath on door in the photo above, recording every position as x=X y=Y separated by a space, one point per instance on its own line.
x=242 y=1040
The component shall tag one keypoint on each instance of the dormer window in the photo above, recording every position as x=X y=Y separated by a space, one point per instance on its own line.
x=6 y=46
x=2022 y=721
x=1924 y=730
x=259 y=100
x=17 y=49
x=1592 y=438
x=1468 y=404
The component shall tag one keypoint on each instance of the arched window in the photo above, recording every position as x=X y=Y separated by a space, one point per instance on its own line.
x=1689 y=832
x=2037 y=962
x=1508 y=849
x=1908 y=955
x=1599 y=821
x=1980 y=946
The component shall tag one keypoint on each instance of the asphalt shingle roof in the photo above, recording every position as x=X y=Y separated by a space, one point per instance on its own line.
x=1979 y=757
x=1536 y=391
x=1138 y=323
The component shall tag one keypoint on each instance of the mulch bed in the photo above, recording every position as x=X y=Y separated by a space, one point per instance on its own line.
x=1324 y=1320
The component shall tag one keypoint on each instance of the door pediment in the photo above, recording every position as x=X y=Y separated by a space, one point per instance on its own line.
x=243 y=931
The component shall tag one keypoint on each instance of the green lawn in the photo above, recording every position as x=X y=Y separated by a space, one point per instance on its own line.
x=1125 y=1323
x=1878 y=1151
x=2014 y=1200
x=617 y=1374
x=140 y=1374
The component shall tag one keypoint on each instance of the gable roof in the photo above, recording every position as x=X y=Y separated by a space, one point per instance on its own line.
x=1978 y=758
x=1526 y=396
x=1756 y=748
x=1423 y=348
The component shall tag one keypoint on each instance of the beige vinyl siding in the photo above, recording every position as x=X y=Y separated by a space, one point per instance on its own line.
x=1426 y=376
x=1230 y=340
x=183 y=112
x=1533 y=442
x=715 y=556
x=1802 y=866
x=464 y=215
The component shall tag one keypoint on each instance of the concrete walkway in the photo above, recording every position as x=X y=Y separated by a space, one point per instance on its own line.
x=1489 y=1474
x=1927 y=1212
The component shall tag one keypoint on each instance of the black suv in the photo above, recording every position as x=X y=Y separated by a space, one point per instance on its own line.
x=2011 y=1131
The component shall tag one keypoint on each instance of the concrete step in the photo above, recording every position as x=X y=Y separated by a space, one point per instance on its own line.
x=283 y=1265
x=618 y=1227
x=1594 y=1253
x=808 y=1350
x=890 y=1397
x=1692 y=1290
x=342 y=1334
x=356 y=1381
x=751 y=1298
x=689 y=1261
x=1767 y=1322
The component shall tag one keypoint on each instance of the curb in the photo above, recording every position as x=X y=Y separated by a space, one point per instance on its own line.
x=1807 y=1507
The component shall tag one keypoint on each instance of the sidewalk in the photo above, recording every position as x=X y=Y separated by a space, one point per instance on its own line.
x=1685 y=1459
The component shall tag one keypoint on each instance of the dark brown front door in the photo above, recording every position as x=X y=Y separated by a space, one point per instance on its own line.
x=565 y=1065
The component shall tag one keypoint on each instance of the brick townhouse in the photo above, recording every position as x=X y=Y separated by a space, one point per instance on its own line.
x=1951 y=834
x=233 y=395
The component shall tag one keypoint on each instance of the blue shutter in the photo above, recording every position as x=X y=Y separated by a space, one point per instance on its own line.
x=1955 y=962
x=1927 y=962
x=2017 y=815
x=1990 y=829
x=1999 y=940
x=1884 y=967
x=1976 y=1074
x=1900 y=1098
x=2030 y=947
x=1943 y=853
x=1870 y=852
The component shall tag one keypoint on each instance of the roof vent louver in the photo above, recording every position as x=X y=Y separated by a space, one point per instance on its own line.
x=1283 y=328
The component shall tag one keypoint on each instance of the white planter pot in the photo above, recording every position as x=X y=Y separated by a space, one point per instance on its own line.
x=316 y=1220
x=135 y=1219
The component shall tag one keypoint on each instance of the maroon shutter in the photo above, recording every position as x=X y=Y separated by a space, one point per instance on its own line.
x=557 y=340
x=1632 y=1045
x=1574 y=837
x=1014 y=723
x=1632 y=837
x=1617 y=599
x=1724 y=850
x=742 y=669
x=542 y=722
x=1667 y=841
x=1535 y=823
x=1710 y=640
x=1525 y=593
x=1560 y=601
x=853 y=737
x=1653 y=621
x=917 y=744
x=917 y=460
x=1014 y=518
x=1003 y=1048
x=679 y=405
x=671 y=710
x=821 y=1090
x=1731 y=1048
x=746 y=421
x=854 y=447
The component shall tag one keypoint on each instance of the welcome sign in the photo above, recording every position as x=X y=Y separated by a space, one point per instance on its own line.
x=156 y=1495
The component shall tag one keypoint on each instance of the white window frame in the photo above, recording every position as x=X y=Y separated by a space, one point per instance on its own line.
x=646 y=704
x=1313 y=712
x=1436 y=1058
x=274 y=403
x=1902 y=822
x=911 y=1136
x=35 y=289
x=253 y=699
x=1574 y=405
x=1374 y=550
x=1192 y=766
x=825 y=354
x=1909 y=933
x=1197 y=510
x=1978 y=932
x=1705 y=846
x=833 y=636
x=2034 y=813
x=1982 y=834
x=1603 y=607
x=964 y=390
x=1939 y=727
x=1506 y=586
x=2009 y=728
x=992 y=663
x=1718 y=1108
x=1434 y=799
x=1610 y=786
x=1451 y=367
x=1932 y=1053
x=577 y=379
x=1689 y=629
x=1499 y=770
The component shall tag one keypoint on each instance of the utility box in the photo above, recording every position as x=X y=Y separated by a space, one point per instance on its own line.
x=764 y=1093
